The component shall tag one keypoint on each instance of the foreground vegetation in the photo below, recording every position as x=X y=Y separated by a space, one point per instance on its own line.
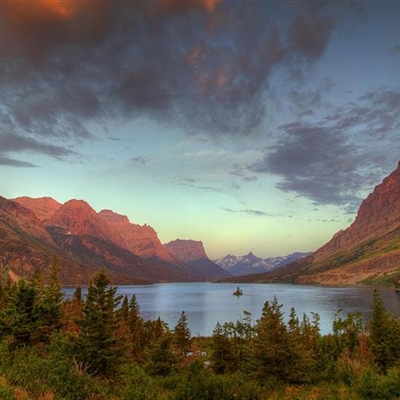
x=101 y=348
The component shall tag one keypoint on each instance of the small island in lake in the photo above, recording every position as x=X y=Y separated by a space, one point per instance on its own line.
x=238 y=292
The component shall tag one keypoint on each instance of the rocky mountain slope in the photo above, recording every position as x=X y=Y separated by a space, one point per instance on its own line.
x=251 y=264
x=25 y=244
x=84 y=242
x=192 y=253
x=367 y=251
x=140 y=240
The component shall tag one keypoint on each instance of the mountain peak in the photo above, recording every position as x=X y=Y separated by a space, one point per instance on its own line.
x=186 y=250
x=113 y=217
x=77 y=217
x=42 y=207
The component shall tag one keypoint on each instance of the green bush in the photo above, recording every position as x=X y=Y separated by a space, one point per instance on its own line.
x=375 y=386
x=205 y=385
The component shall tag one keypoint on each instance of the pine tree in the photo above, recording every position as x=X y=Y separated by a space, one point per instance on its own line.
x=271 y=356
x=182 y=335
x=162 y=359
x=18 y=319
x=97 y=345
x=384 y=337
x=34 y=310
x=124 y=310
x=223 y=357
x=49 y=302
x=135 y=324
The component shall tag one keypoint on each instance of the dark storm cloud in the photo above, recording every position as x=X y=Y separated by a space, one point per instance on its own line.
x=204 y=65
x=310 y=34
x=332 y=160
x=10 y=162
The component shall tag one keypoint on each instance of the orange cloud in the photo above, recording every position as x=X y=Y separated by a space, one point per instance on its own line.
x=61 y=8
x=210 y=4
x=40 y=9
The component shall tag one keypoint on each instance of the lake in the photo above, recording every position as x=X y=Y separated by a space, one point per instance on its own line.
x=205 y=303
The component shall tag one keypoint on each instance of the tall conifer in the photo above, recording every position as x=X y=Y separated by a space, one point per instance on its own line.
x=98 y=346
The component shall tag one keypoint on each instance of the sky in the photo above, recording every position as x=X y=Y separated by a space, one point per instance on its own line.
x=249 y=125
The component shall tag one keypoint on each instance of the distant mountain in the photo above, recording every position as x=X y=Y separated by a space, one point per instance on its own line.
x=251 y=264
x=192 y=253
x=367 y=251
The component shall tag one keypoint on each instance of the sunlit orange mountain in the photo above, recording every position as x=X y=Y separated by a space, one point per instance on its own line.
x=43 y=207
x=140 y=240
x=367 y=251
x=84 y=240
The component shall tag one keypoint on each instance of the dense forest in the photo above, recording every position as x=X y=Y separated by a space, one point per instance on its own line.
x=100 y=347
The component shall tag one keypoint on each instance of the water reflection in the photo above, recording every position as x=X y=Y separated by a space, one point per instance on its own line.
x=206 y=304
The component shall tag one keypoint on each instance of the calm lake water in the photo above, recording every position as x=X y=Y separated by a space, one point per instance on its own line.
x=205 y=304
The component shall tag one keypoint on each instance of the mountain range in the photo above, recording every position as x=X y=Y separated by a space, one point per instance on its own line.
x=32 y=231
x=368 y=251
x=251 y=264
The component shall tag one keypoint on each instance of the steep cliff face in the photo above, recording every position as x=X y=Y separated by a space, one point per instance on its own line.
x=378 y=214
x=192 y=253
x=20 y=219
x=76 y=217
x=140 y=240
x=186 y=250
x=25 y=244
x=43 y=207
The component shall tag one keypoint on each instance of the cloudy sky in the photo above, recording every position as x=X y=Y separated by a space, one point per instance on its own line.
x=250 y=125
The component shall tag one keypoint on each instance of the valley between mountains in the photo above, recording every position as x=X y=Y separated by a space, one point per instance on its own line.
x=33 y=230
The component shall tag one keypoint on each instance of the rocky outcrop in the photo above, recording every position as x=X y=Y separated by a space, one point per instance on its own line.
x=186 y=250
x=43 y=207
x=140 y=240
x=192 y=253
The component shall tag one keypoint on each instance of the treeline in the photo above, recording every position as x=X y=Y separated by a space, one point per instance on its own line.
x=100 y=347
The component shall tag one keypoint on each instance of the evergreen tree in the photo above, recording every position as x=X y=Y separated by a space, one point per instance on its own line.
x=97 y=345
x=223 y=357
x=384 y=330
x=271 y=352
x=135 y=323
x=49 y=302
x=162 y=359
x=34 y=310
x=72 y=311
x=182 y=335
x=77 y=296
x=19 y=319
x=124 y=310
